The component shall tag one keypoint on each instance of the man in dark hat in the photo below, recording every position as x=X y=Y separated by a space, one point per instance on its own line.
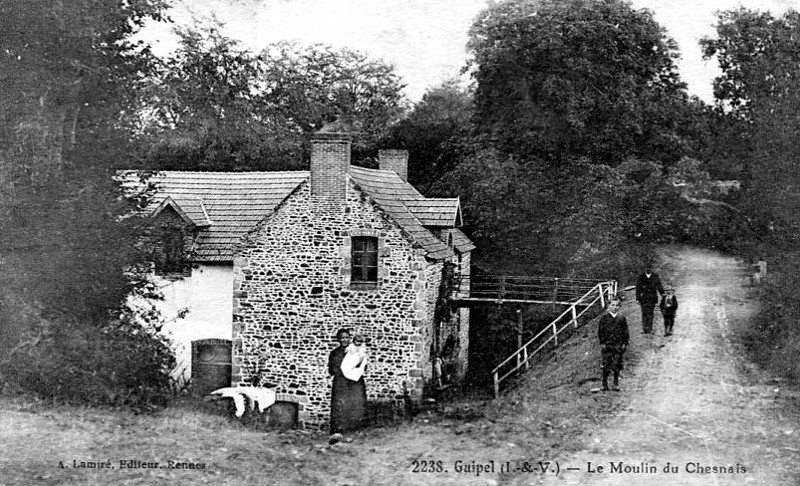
x=648 y=289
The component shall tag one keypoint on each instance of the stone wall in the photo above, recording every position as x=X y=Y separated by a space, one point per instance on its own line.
x=292 y=292
x=462 y=352
x=455 y=358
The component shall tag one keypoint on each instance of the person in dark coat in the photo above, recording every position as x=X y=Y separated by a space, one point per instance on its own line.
x=613 y=333
x=648 y=288
x=669 y=307
x=348 y=397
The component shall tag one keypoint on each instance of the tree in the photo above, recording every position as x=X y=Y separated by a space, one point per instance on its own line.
x=758 y=94
x=528 y=219
x=758 y=56
x=581 y=78
x=70 y=74
x=314 y=85
x=206 y=109
x=217 y=106
x=433 y=133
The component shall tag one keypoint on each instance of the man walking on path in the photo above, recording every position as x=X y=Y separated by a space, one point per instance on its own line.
x=648 y=288
x=613 y=333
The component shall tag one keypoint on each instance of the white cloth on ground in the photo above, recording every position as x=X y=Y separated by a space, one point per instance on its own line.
x=263 y=397
x=354 y=362
x=238 y=398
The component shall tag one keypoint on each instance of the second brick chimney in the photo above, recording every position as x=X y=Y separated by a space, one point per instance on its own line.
x=396 y=160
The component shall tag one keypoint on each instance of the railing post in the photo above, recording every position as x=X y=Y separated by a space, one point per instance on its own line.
x=496 y=386
x=602 y=297
x=555 y=290
x=525 y=353
x=555 y=334
x=574 y=317
x=519 y=336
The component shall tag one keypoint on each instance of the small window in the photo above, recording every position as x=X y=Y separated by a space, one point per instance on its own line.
x=365 y=260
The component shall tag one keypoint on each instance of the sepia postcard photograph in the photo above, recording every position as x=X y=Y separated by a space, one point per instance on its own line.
x=400 y=242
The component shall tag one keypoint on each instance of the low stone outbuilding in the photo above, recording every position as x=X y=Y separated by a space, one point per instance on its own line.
x=302 y=254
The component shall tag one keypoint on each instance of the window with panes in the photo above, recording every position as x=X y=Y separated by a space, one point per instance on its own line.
x=364 y=259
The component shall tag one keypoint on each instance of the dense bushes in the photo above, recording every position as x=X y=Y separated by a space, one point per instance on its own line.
x=65 y=329
x=117 y=363
x=773 y=338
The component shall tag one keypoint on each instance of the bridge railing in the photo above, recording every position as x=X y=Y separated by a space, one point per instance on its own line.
x=600 y=293
x=524 y=288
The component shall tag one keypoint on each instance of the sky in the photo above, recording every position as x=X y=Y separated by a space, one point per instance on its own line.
x=426 y=39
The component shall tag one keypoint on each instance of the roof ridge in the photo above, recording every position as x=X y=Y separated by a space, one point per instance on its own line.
x=360 y=167
x=216 y=172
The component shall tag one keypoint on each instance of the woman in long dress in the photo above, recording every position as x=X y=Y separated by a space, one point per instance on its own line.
x=348 y=397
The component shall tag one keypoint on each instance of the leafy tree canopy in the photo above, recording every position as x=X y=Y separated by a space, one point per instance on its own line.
x=759 y=58
x=759 y=55
x=577 y=78
x=314 y=85
x=433 y=133
x=218 y=106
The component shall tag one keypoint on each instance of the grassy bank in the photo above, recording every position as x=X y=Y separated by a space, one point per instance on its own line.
x=773 y=339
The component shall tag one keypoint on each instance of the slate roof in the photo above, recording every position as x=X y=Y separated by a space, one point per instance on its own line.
x=225 y=205
x=461 y=242
x=407 y=207
x=192 y=210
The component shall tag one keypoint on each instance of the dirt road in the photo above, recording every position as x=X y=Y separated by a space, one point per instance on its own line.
x=696 y=412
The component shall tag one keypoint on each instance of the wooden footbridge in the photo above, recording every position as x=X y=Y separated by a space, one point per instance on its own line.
x=578 y=296
x=494 y=289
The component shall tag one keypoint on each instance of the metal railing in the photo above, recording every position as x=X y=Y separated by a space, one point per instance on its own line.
x=599 y=293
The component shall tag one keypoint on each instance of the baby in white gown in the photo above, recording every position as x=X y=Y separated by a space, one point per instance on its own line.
x=355 y=359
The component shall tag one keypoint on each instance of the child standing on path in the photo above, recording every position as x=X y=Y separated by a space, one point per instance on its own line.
x=669 y=306
x=613 y=333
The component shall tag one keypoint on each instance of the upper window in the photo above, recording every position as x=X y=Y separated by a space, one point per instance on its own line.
x=365 y=259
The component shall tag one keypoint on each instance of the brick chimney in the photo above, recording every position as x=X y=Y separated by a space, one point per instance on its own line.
x=396 y=160
x=330 y=163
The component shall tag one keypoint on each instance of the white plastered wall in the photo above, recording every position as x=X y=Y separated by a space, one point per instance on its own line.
x=207 y=295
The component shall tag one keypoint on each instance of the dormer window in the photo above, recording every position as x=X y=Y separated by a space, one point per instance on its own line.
x=364 y=260
x=170 y=259
x=174 y=229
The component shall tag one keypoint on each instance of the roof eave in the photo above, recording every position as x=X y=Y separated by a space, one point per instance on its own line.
x=169 y=202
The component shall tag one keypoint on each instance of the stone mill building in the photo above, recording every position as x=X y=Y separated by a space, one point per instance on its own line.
x=277 y=262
